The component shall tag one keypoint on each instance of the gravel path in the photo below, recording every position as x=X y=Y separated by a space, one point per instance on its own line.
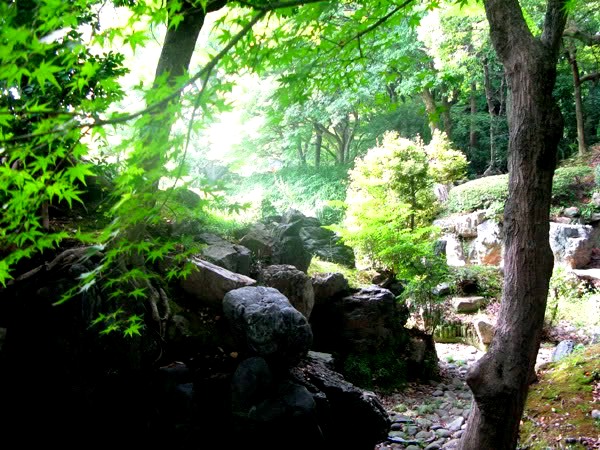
x=432 y=416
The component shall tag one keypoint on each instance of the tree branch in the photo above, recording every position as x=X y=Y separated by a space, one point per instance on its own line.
x=590 y=77
x=587 y=38
x=554 y=24
x=377 y=23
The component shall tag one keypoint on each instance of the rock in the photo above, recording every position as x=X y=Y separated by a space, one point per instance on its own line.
x=292 y=283
x=456 y=424
x=563 y=349
x=344 y=407
x=572 y=212
x=572 y=244
x=329 y=285
x=209 y=283
x=235 y=258
x=488 y=244
x=441 y=289
x=455 y=255
x=485 y=332
x=265 y=323
x=596 y=414
x=465 y=305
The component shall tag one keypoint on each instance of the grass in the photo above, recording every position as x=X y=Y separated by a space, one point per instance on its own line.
x=356 y=278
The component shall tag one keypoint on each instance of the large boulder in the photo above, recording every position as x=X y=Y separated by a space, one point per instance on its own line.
x=329 y=285
x=292 y=283
x=264 y=323
x=342 y=407
x=209 y=283
x=294 y=239
x=326 y=244
x=572 y=244
x=233 y=257
x=268 y=410
x=488 y=244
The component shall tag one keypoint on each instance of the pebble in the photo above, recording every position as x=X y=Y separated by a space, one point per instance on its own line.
x=436 y=412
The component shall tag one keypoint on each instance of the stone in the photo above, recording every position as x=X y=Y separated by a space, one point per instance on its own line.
x=563 y=349
x=465 y=305
x=488 y=244
x=572 y=244
x=456 y=424
x=485 y=332
x=265 y=323
x=329 y=285
x=596 y=414
x=209 y=283
x=292 y=283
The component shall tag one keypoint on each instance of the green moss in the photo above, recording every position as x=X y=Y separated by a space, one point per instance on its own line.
x=560 y=403
x=491 y=192
x=384 y=370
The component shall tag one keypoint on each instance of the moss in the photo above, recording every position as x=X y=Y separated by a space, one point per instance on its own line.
x=560 y=403
x=383 y=370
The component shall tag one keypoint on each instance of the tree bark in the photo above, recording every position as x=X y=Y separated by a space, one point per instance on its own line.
x=431 y=110
x=318 y=145
x=572 y=57
x=473 y=124
x=489 y=96
x=500 y=379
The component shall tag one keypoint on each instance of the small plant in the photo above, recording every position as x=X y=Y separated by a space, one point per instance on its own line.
x=400 y=408
x=425 y=409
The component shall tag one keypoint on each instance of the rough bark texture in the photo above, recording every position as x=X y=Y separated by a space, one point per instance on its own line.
x=500 y=379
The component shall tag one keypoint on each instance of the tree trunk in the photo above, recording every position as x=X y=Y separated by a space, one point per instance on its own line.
x=431 y=110
x=572 y=57
x=500 y=379
x=318 y=146
x=489 y=96
x=473 y=124
x=175 y=56
x=447 y=119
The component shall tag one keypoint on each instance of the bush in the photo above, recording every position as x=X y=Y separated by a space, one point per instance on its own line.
x=569 y=182
x=491 y=192
x=481 y=280
x=483 y=193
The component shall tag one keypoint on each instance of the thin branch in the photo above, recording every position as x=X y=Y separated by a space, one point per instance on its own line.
x=586 y=38
x=271 y=6
x=590 y=77
x=377 y=23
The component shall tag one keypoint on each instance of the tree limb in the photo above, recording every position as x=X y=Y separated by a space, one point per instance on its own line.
x=587 y=38
x=590 y=77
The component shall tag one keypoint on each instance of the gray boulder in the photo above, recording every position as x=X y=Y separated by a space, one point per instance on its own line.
x=209 y=283
x=265 y=323
x=563 y=349
x=572 y=244
x=292 y=283
x=233 y=257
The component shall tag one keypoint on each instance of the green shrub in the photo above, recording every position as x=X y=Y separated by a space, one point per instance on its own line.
x=482 y=280
x=491 y=192
x=483 y=193
x=569 y=182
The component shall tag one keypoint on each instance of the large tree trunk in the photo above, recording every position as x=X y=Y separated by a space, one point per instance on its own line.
x=500 y=379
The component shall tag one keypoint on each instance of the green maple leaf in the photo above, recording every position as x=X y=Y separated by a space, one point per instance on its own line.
x=45 y=72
